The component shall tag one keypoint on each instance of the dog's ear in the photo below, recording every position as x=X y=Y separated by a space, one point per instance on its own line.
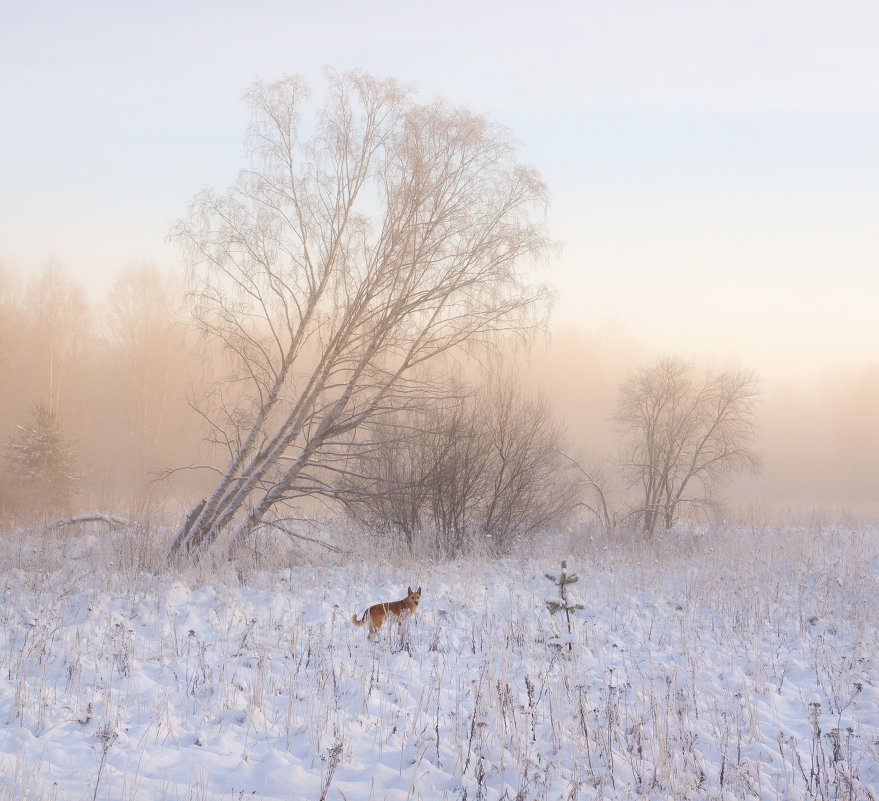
x=419 y=590
x=410 y=590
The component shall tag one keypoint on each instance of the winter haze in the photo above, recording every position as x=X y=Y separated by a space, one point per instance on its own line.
x=713 y=176
x=563 y=314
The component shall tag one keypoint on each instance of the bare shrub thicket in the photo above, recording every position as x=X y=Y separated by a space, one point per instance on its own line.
x=352 y=252
x=485 y=466
x=682 y=434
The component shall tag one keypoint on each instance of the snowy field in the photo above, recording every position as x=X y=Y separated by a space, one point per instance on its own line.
x=727 y=664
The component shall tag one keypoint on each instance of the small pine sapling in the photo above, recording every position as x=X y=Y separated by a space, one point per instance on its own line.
x=562 y=580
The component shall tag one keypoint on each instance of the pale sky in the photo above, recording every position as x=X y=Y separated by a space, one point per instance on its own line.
x=714 y=166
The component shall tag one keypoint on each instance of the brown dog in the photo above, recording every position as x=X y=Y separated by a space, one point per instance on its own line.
x=376 y=614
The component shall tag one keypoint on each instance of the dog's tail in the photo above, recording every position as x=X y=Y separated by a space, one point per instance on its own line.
x=357 y=622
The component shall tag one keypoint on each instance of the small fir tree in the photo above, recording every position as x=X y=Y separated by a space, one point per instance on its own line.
x=562 y=581
x=41 y=461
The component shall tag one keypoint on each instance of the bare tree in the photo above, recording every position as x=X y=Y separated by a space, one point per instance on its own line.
x=683 y=434
x=459 y=464
x=145 y=336
x=59 y=331
x=340 y=263
x=11 y=324
x=593 y=487
x=484 y=463
x=530 y=483
x=47 y=326
x=392 y=469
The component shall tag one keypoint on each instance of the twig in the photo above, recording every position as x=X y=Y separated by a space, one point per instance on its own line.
x=110 y=520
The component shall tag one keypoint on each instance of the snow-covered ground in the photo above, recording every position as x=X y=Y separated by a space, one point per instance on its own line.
x=719 y=664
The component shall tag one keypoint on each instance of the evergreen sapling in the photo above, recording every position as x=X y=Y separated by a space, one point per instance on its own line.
x=562 y=581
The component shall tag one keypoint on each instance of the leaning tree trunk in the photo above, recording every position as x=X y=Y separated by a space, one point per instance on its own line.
x=291 y=256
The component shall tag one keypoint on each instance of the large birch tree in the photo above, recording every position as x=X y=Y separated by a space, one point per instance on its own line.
x=354 y=249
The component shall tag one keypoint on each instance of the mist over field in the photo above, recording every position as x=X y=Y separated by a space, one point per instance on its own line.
x=465 y=402
x=123 y=370
x=818 y=429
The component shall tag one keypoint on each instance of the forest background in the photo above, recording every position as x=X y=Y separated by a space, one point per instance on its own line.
x=123 y=373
